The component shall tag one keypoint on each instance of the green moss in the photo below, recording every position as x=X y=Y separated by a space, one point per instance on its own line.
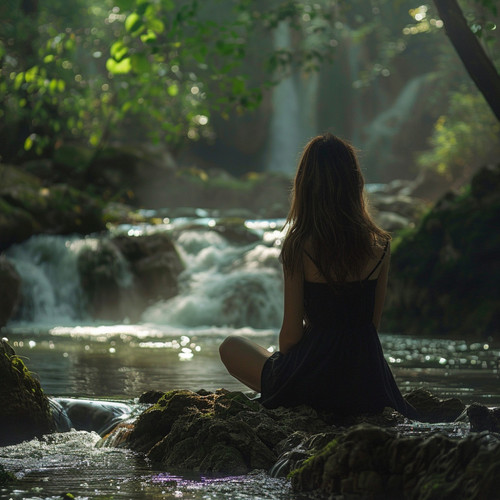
x=311 y=462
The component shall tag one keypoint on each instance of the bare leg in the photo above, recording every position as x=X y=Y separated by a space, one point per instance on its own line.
x=244 y=360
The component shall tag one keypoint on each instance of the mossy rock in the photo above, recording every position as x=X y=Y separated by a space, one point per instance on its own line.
x=24 y=409
x=445 y=273
x=369 y=462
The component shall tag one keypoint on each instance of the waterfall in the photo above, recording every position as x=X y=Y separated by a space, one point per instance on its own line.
x=51 y=288
x=293 y=120
x=224 y=283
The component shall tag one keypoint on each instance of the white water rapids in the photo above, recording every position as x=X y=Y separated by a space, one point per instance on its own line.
x=223 y=285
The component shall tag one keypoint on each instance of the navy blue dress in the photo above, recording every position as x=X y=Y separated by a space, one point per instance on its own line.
x=338 y=365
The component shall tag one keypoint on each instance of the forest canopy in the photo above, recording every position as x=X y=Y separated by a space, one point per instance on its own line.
x=93 y=71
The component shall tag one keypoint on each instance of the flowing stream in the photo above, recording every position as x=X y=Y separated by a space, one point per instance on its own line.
x=228 y=287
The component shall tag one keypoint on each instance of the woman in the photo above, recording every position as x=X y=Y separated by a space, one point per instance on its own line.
x=335 y=261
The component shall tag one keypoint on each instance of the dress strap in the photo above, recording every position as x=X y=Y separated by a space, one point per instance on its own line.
x=310 y=257
x=378 y=263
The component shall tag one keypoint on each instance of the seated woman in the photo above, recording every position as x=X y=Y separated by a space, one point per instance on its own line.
x=336 y=262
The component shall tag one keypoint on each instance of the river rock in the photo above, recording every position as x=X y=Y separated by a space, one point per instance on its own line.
x=482 y=418
x=121 y=276
x=154 y=263
x=24 y=409
x=28 y=207
x=10 y=291
x=229 y=433
x=370 y=462
x=432 y=409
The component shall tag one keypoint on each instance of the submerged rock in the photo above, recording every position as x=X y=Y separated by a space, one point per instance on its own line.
x=24 y=409
x=5 y=477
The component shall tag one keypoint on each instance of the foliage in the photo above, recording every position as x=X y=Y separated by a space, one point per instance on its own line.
x=466 y=133
x=91 y=72
x=464 y=138
x=171 y=64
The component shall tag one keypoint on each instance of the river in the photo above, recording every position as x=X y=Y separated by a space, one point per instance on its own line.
x=175 y=345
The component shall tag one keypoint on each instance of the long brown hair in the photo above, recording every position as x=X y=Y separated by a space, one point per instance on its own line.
x=328 y=212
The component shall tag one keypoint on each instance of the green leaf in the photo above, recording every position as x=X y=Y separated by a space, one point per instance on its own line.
x=149 y=37
x=142 y=6
x=118 y=51
x=28 y=143
x=19 y=80
x=125 y=4
x=133 y=23
x=48 y=59
x=168 y=4
x=172 y=90
x=157 y=25
x=94 y=139
x=53 y=86
x=119 y=68
x=238 y=86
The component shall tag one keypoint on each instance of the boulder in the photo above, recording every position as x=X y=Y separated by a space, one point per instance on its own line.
x=432 y=409
x=229 y=433
x=24 y=409
x=482 y=418
x=445 y=273
x=106 y=281
x=371 y=462
x=28 y=207
x=10 y=291
x=123 y=275
x=154 y=263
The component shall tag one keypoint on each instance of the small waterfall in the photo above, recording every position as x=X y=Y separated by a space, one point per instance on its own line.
x=50 y=280
x=223 y=285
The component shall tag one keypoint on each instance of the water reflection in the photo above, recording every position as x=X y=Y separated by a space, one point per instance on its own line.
x=122 y=363
x=69 y=462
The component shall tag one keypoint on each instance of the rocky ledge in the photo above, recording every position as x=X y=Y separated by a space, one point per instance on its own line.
x=375 y=456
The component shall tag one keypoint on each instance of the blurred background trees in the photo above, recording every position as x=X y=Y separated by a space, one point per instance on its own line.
x=240 y=85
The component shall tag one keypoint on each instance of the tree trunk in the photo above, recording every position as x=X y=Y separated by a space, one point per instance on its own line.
x=476 y=62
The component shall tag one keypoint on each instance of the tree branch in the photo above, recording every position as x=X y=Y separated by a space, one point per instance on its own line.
x=476 y=62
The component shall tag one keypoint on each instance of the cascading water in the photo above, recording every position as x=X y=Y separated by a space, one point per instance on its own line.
x=223 y=285
x=50 y=279
x=293 y=120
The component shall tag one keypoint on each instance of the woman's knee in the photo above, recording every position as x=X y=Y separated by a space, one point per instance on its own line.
x=227 y=347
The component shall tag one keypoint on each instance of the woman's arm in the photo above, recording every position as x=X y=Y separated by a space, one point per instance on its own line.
x=381 y=288
x=292 y=327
